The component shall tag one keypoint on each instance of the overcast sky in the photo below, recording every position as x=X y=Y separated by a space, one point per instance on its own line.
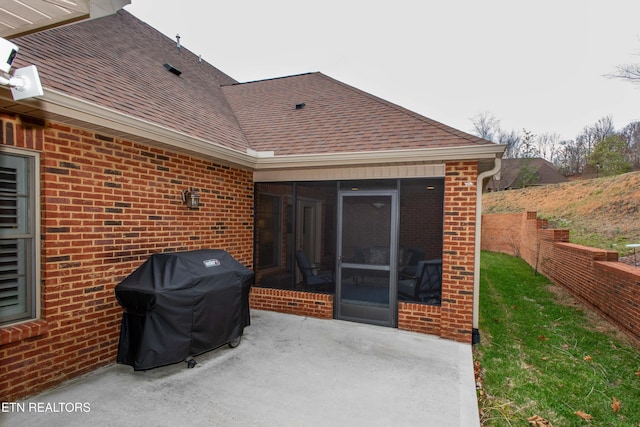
x=535 y=65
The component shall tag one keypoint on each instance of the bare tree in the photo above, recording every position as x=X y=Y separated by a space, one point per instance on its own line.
x=631 y=135
x=486 y=126
x=603 y=128
x=629 y=72
x=547 y=145
x=512 y=141
x=562 y=159
x=595 y=134
x=571 y=157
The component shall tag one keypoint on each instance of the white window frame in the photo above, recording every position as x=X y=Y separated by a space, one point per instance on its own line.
x=33 y=177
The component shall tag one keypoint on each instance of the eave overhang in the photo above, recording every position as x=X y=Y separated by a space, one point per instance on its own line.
x=62 y=108
x=59 y=107
x=29 y=16
x=413 y=156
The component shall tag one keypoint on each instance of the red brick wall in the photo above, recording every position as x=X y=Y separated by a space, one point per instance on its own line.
x=106 y=205
x=593 y=275
x=419 y=318
x=505 y=230
x=456 y=315
x=292 y=302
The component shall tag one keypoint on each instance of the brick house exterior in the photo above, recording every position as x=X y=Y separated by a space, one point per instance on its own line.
x=114 y=154
x=106 y=204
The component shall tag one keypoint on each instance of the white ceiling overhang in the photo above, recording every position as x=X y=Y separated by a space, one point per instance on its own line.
x=19 y=17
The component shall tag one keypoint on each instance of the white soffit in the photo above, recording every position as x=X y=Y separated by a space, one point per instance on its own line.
x=351 y=173
x=25 y=16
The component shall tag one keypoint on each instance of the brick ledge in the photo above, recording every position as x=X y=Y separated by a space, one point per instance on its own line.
x=21 y=331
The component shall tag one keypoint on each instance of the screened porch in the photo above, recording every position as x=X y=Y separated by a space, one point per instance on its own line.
x=370 y=243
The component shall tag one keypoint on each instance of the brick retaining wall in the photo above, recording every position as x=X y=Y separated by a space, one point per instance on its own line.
x=593 y=275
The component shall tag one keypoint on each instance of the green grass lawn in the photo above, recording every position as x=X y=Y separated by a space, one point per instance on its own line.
x=542 y=354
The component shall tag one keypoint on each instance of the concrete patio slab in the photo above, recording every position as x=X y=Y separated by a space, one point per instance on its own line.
x=288 y=371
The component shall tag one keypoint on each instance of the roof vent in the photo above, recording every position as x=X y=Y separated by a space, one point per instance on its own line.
x=300 y=106
x=172 y=69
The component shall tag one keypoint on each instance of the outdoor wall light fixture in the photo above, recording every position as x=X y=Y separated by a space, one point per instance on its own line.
x=191 y=198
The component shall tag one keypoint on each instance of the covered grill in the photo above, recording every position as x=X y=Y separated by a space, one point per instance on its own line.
x=178 y=305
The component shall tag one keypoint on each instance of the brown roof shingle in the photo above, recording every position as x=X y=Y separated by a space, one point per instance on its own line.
x=335 y=118
x=118 y=62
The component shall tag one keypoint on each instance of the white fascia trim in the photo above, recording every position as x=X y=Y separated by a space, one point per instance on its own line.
x=470 y=152
x=63 y=105
x=59 y=103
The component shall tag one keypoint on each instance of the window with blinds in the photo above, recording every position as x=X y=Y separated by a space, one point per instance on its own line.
x=16 y=238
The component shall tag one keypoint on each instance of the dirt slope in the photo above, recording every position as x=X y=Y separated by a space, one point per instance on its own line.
x=602 y=212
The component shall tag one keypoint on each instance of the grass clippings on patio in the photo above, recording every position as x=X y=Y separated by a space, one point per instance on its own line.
x=545 y=359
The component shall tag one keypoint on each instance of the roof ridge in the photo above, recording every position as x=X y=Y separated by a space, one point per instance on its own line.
x=442 y=126
x=182 y=45
x=271 y=79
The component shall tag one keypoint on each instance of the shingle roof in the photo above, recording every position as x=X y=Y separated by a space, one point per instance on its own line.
x=545 y=172
x=335 y=118
x=117 y=62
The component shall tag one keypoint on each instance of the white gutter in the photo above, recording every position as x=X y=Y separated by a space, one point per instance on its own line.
x=440 y=154
x=476 y=266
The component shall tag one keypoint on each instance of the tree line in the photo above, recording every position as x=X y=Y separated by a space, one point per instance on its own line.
x=599 y=149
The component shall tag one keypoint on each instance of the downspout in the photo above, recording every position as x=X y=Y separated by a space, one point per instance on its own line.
x=475 y=339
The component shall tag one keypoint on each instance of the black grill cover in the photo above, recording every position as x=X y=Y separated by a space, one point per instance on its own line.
x=182 y=304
